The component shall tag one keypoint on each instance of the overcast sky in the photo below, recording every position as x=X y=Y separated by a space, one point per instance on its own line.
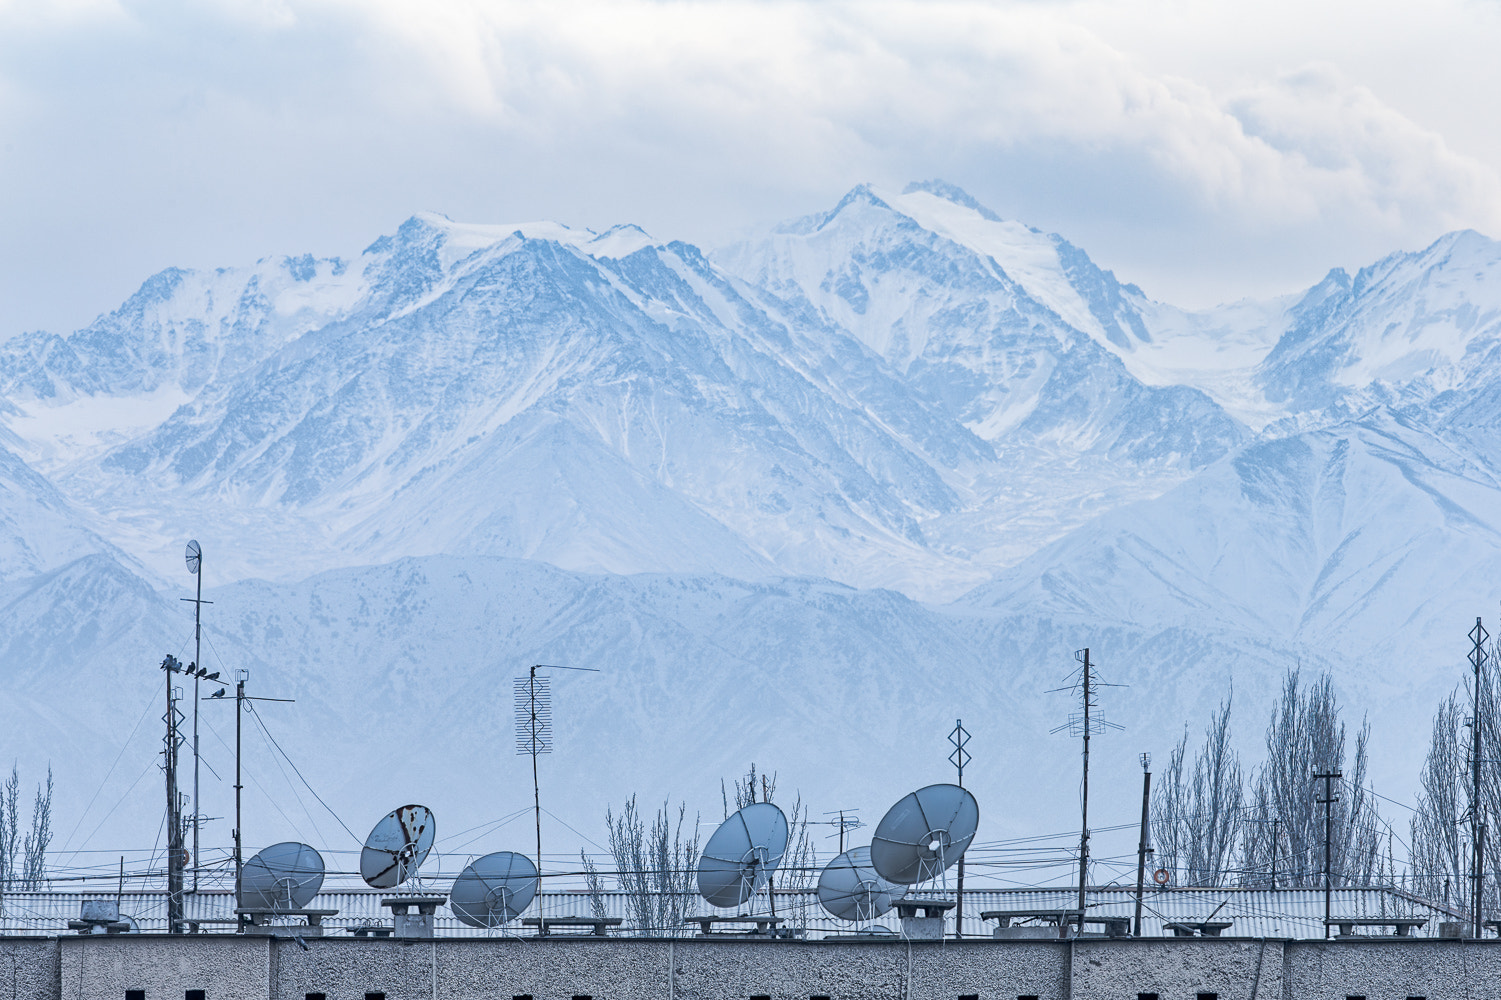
x=1204 y=149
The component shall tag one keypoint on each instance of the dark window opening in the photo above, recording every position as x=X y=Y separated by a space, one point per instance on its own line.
x=1146 y=996
x=582 y=996
x=1209 y=996
x=135 y=995
x=760 y=996
x=375 y=996
x=316 y=996
x=1027 y=996
x=969 y=996
x=1354 y=996
x=192 y=995
x=818 y=996
x=522 y=996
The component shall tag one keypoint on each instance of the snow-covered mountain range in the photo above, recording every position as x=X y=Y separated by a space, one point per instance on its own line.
x=804 y=500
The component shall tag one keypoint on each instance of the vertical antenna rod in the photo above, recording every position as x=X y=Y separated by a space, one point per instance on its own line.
x=1144 y=847
x=1478 y=635
x=959 y=737
x=1328 y=803
x=194 y=558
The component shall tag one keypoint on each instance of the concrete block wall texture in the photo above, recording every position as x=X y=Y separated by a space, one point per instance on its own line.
x=227 y=967
x=106 y=966
x=29 y=969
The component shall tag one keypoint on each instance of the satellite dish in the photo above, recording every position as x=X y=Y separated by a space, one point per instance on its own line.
x=397 y=846
x=494 y=890
x=194 y=556
x=924 y=833
x=851 y=889
x=742 y=854
x=282 y=877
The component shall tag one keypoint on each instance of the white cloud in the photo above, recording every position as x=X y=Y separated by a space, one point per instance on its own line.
x=153 y=133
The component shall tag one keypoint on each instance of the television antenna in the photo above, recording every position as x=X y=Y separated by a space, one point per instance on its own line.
x=194 y=559
x=534 y=727
x=171 y=742
x=1086 y=722
x=741 y=855
x=494 y=890
x=845 y=820
x=960 y=757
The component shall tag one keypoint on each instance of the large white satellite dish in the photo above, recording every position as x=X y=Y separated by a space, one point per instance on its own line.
x=742 y=854
x=924 y=833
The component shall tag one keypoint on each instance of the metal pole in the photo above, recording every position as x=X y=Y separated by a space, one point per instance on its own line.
x=1328 y=802
x=174 y=808
x=1276 y=836
x=1477 y=873
x=959 y=737
x=1084 y=800
x=239 y=711
x=198 y=672
x=1141 y=849
x=536 y=788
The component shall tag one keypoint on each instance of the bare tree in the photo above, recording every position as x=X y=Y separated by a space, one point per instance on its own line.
x=1306 y=737
x=1441 y=832
x=656 y=867
x=10 y=821
x=1199 y=818
x=34 y=870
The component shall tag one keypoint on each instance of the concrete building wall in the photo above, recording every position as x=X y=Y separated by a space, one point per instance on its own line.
x=227 y=967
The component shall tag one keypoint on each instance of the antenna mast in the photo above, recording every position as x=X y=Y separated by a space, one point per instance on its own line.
x=1478 y=636
x=959 y=737
x=194 y=559
x=534 y=728
x=1085 y=723
x=171 y=666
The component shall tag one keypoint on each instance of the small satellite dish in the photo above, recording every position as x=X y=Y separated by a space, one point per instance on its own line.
x=924 y=833
x=851 y=889
x=742 y=854
x=282 y=877
x=494 y=890
x=194 y=556
x=397 y=846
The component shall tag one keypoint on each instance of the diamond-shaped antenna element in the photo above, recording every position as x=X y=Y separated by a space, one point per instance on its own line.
x=194 y=556
x=494 y=890
x=924 y=833
x=851 y=889
x=742 y=854
x=284 y=876
x=397 y=846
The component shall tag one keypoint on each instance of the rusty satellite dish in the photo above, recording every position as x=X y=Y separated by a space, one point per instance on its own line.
x=742 y=854
x=924 y=833
x=284 y=876
x=851 y=889
x=494 y=890
x=397 y=846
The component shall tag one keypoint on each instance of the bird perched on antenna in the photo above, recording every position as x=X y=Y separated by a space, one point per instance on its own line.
x=213 y=676
x=218 y=694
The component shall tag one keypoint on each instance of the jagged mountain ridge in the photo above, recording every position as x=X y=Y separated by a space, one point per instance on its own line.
x=658 y=411
x=684 y=420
